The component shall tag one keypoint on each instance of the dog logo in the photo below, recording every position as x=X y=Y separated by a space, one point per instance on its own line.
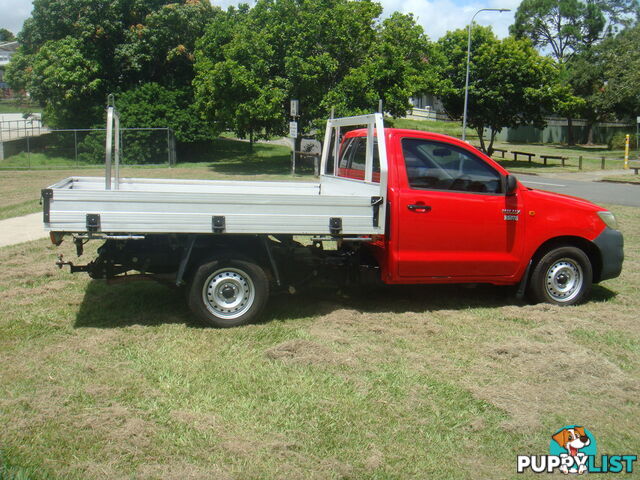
x=573 y=440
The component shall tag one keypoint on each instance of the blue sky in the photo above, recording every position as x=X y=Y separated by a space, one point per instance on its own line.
x=436 y=16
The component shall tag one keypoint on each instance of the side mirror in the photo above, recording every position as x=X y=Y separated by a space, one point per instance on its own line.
x=511 y=184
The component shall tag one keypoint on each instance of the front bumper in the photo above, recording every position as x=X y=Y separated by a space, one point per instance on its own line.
x=611 y=246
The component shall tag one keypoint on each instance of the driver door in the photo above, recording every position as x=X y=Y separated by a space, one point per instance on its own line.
x=454 y=219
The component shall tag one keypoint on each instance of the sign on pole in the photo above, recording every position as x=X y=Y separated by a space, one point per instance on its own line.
x=293 y=129
x=294 y=108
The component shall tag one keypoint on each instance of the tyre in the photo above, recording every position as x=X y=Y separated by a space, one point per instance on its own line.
x=563 y=276
x=228 y=293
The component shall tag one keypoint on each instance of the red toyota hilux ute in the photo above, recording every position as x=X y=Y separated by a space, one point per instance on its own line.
x=392 y=206
x=456 y=216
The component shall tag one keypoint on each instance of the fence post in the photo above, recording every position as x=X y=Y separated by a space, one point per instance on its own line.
x=168 y=147
x=174 y=158
x=602 y=164
x=28 y=153
x=75 y=146
x=580 y=163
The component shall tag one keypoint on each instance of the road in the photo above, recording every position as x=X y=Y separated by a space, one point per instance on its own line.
x=597 y=192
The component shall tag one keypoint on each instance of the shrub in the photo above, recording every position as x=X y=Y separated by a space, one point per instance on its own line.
x=618 y=140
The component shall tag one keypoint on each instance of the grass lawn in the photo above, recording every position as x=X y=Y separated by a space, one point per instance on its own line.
x=635 y=179
x=11 y=106
x=416 y=382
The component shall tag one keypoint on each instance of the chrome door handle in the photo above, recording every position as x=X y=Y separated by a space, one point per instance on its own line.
x=419 y=208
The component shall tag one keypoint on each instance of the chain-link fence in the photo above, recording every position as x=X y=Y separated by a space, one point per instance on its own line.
x=86 y=148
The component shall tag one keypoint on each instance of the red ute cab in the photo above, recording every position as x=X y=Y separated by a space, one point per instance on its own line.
x=457 y=216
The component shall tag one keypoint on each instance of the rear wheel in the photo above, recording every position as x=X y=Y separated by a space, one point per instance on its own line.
x=563 y=276
x=228 y=293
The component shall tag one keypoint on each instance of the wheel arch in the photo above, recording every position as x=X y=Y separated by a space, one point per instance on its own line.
x=588 y=247
x=246 y=248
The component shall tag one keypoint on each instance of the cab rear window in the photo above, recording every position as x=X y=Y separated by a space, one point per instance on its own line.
x=353 y=159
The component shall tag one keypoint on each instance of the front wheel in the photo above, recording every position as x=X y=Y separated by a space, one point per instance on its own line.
x=228 y=293
x=563 y=276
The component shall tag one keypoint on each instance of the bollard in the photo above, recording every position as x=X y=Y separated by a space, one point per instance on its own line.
x=626 y=152
x=602 y=164
x=580 y=163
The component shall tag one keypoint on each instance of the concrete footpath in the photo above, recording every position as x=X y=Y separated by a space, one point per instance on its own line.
x=21 y=229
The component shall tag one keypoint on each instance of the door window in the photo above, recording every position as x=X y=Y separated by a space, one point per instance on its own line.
x=439 y=166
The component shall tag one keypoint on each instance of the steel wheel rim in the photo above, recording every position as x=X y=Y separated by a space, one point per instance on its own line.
x=564 y=279
x=228 y=293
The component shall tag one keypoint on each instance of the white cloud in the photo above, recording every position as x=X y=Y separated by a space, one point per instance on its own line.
x=439 y=16
x=14 y=13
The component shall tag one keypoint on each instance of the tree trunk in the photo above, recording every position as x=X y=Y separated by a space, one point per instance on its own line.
x=480 y=131
x=491 y=139
x=251 y=141
x=590 y=133
x=571 y=141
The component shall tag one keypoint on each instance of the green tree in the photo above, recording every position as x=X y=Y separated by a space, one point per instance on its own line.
x=620 y=60
x=91 y=48
x=6 y=35
x=568 y=30
x=570 y=106
x=399 y=64
x=587 y=79
x=326 y=53
x=608 y=78
x=510 y=83
x=152 y=105
x=66 y=81
x=562 y=26
x=162 y=48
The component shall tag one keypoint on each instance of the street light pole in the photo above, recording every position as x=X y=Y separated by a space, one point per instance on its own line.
x=466 y=81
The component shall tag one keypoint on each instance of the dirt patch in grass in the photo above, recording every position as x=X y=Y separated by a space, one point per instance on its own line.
x=202 y=422
x=529 y=366
x=181 y=471
x=305 y=352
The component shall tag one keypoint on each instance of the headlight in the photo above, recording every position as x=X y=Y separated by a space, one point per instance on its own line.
x=609 y=219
